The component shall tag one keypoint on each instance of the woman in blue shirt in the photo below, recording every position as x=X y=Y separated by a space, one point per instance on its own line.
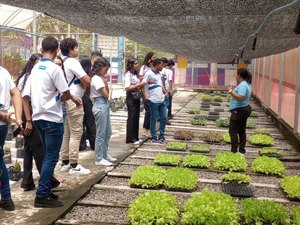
x=240 y=110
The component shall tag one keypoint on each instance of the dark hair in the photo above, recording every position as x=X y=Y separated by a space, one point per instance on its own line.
x=86 y=65
x=98 y=65
x=130 y=64
x=171 y=62
x=164 y=60
x=62 y=66
x=147 y=58
x=27 y=68
x=96 y=53
x=247 y=76
x=49 y=44
x=66 y=45
x=156 y=61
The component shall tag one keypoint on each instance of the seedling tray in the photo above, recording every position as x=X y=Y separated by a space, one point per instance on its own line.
x=166 y=164
x=274 y=155
x=237 y=190
x=140 y=186
x=175 y=149
x=181 y=189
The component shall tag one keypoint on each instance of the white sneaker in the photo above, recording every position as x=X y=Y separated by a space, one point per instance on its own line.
x=79 y=169
x=103 y=162
x=110 y=159
x=136 y=142
x=65 y=168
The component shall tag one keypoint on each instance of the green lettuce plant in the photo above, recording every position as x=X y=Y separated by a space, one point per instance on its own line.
x=147 y=176
x=250 y=124
x=176 y=145
x=166 y=159
x=200 y=122
x=268 y=165
x=217 y=98
x=227 y=138
x=223 y=122
x=181 y=179
x=261 y=139
x=260 y=212
x=200 y=148
x=262 y=131
x=210 y=208
x=268 y=150
x=254 y=114
x=199 y=161
x=207 y=98
x=194 y=110
x=154 y=207
x=296 y=216
x=236 y=177
x=230 y=161
x=291 y=186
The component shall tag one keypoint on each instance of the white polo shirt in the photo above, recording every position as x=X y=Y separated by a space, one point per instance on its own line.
x=168 y=78
x=6 y=85
x=73 y=67
x=44 y=86
x=153 y=82
x=130 y=79
x=96 y=84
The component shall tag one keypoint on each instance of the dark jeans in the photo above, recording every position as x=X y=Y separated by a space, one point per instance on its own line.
x=158 y=110
x=237 y=128
x=5 y=189
x=170 y=105
x=51 y=136
x=132 y=126
x=89 y=126
x=146 y=124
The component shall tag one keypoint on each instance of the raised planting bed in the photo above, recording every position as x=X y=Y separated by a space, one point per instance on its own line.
x=181 y=179
x=222 y=122
x=291 y=186
x=210 y=208
x=212 y=137
x=230 y=161
x=199 y=122
x=177 y=146
x=147 y=177
x=183 y=135
x=271 y=152
x=196 y=161
x=264 y=212
x=268 y=165
x=261 y=140
x=154 y=208
x=167 y=160
x=200 y=148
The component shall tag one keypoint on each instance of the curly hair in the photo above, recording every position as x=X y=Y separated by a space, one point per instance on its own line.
x=27 y=69
x=66 y=45
x=148 y=58
x=98 y=65
x=130 y=64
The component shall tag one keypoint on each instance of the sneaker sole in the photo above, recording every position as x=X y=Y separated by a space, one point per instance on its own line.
x=40 y=205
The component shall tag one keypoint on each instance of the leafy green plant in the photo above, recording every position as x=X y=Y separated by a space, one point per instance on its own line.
x=261 y=212
x=223 y=122
x=296 y=216
x=17 y=167
x=175 y=145
x=212 y=137
x=230 y=161
x=254 y=114
x=268 y=165
x=227 y=138
x=199 y=161
x=210 y=208
x=147 y=176
x=261 y=139
x=194 y=110
x=207 y=98
x=200 y=148
x=165 y=159
x=183 y=135
x=291 y=186
x=262 y=131
x=268 y=150
x=181 y=179
x=236 y=177
x=154 y=208
x=217 y=98
x=250 y=124
x=201 y=122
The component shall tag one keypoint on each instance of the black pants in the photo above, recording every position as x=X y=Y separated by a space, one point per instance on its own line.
x=33 y=149
x=89 y=126
x=237 y=128
x=170 y=105
x=132 y=127
x=146 y=124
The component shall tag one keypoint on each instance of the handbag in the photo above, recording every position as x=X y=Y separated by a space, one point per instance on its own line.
x=137 y=95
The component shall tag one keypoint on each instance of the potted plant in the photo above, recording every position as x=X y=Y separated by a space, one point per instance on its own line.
x=177 y=146
x=154 y=207
x=196 y=161
x=217 y=98
x=212 y=137
x=15 y=173
x=291 y=186
x=261 y=139
x=200 y=148
x=210 y=208
x=254 y=114
x=183 y=135
x=222 y=122
x=194 y=110
x=7 y=155
x=147 y=176
x=207 y=98
x=167 y=160
x=237 y=185
x=200 y=122
x=230 y=161
x=264 y=212
x=181 y=179
x=268 y=165
x=271 y=152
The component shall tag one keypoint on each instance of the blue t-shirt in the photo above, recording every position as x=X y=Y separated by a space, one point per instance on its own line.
x=242 y=89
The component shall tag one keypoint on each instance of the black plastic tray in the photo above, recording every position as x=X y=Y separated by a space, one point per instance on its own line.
x=237 y=190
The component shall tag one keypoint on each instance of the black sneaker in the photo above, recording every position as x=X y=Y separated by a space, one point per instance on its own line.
x=27 y=188
x=163 y=140
x=154 y=140
x=7 y=205
x=47 y=202
x=54 y=196
x=168 y=122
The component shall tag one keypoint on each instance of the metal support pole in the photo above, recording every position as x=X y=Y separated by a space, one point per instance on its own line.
x=297 y=97
x=110 y=60
x=270 y=81
x=281 y=73
x=135 y=50
x=254 y=72
x=193 y=72
x=2 y=49
x=69 y=31
x=263 y=80
x=34 y=38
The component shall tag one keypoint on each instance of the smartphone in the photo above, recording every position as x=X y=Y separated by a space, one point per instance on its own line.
x=17 y=131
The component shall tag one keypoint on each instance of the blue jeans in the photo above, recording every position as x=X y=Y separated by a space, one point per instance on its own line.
x=167 y=104
x=103 y=127
x=4 y=190
x=158 y=110
x=51 y=136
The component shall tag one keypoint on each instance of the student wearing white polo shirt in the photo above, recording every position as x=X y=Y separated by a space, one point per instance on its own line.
x=46 y=87
x=73 y=125
x=169 y=88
